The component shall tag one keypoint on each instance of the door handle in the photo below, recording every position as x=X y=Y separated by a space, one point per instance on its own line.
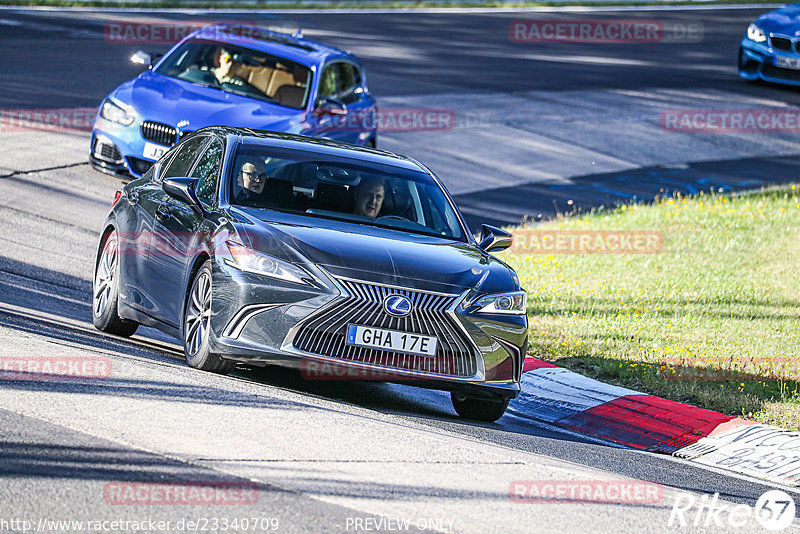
x=163 y=212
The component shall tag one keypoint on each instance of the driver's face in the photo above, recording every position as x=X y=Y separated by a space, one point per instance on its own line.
x=224 y=62
x=369 y=200
x=251 y=178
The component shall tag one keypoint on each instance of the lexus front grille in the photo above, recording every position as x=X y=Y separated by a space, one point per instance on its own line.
x=163 y=134
x=324 y=333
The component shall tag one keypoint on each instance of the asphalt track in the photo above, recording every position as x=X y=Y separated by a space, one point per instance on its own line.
x=535 y=138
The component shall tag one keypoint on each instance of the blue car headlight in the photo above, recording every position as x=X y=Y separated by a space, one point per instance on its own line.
x=756 y=34
x=114 y=113
x=510 y=303
x=251 y=261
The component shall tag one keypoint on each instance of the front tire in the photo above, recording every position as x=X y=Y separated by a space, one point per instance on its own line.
x=197 y=326
x=105 y=291
x=489 y=410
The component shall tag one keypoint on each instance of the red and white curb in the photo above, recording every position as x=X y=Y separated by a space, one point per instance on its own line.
x=574 y=402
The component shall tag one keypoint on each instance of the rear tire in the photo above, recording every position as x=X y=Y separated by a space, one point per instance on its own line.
x=105 y=291
x=479 y=409
x=197 y=326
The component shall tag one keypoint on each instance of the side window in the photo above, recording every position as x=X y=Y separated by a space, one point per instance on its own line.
x=329 y=81
x=181 y=164
x=207 y=172
x=350 y=80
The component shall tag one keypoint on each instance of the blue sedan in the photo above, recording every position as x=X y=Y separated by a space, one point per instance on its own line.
x=232 y=75
x=770 y=49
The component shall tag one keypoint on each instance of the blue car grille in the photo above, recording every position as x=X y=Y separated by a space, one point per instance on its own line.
x=324 y=332
x=163 y=134
x=781 y=43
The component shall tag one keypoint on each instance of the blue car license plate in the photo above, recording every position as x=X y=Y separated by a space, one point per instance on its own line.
x=788 y=62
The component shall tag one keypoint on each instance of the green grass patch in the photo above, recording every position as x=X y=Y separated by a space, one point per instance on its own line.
x=713 y=319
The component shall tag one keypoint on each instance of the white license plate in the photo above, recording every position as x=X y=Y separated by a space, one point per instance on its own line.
x=378 y=338
x=788 y=62
x=154 y=151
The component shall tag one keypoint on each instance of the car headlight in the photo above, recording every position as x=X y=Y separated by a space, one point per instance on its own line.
x=251 y=261
x=756 y=34
x=512 y=303
x=112 y=112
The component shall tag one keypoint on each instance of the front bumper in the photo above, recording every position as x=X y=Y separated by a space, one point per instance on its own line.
x=260 y=321
x=757 y=61
x=119 y=150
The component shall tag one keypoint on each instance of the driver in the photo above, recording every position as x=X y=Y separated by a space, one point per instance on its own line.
x=251 y=179
x=369 y=197
x=225 y=66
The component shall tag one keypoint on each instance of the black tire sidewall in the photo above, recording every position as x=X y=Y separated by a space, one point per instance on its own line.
x=201 y=359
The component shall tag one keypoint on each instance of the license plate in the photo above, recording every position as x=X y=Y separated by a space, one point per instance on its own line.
x=154 y=151
x=788 y=62
x=378 y=338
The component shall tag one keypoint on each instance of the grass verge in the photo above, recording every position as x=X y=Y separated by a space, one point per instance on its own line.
x=713 y=319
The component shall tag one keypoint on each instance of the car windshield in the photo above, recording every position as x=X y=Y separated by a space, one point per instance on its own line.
x=240 y=70
x=343 y=189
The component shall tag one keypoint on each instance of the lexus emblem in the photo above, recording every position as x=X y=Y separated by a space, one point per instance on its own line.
x=397 y=305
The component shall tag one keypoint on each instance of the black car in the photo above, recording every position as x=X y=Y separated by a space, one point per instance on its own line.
x=346 y=262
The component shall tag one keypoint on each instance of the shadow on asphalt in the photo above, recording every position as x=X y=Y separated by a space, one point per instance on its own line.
x=540 y=201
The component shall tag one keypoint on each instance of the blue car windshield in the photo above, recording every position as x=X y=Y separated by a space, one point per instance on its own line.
x=344 y=189
x=239 y=70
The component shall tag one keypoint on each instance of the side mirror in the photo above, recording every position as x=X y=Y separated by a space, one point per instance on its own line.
x=183 y=189
x=494 y=239
x=142 y=58
x=331 y=106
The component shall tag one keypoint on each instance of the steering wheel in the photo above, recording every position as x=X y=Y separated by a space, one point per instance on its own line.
x=392 y=218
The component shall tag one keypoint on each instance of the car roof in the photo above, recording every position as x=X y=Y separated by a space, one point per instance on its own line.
x=316 y=144
x=294 y=48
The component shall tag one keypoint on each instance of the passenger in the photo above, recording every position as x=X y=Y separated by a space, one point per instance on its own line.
x=369 y=197
x=250 y=181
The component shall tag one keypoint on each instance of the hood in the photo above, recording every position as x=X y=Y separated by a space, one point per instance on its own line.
x=784 y=21
x=171 y=101
x=382 y=255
